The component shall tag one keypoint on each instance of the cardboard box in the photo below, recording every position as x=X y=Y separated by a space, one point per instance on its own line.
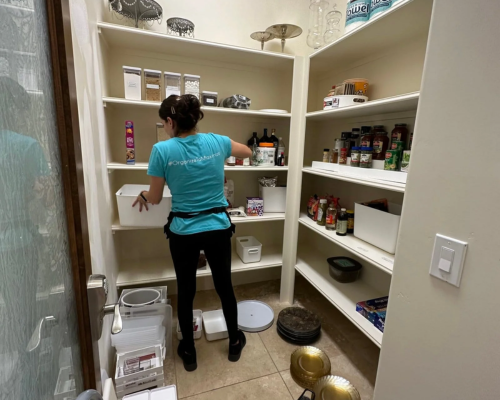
x=255 y=207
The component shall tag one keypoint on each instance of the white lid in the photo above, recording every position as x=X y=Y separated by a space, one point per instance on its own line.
x=172 y=73
x=207 y=92
x=132 y=68
x=322 y=201
x=254 y=316
x=191 y=76
x=154 y=71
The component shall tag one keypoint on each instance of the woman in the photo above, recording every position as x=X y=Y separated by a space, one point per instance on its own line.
x=192 y=165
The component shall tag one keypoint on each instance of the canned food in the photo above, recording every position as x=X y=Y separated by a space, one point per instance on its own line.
x=392 y=160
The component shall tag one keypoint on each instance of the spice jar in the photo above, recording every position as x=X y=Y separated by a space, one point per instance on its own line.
x=350 y=221
x=326 y=155
x=172 y=84
x=380 y=145
x=399 y=133
x=209 y=98
x=343 y=155
x=366 y=157
x=152 y=81
x=322 y=212
x=355 y=156
x=366 y=136
x=331 y=218
x=192 y=85
x=132 y=80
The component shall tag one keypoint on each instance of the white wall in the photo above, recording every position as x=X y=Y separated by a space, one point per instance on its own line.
x=84 y=15
x=441 y=342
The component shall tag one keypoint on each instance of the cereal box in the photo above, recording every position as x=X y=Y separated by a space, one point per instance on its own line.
x=129 y=141
x=255 y=206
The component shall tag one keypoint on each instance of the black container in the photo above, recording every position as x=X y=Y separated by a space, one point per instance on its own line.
x=344 y=269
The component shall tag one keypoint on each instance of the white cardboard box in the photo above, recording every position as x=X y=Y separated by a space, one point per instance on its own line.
x=377 y=227
x=157 y=215
x=274 y=198
x=215 y=325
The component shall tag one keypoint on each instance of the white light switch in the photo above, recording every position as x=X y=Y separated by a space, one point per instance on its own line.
x=448 y=259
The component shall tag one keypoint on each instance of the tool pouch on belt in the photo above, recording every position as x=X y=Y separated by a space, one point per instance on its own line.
x=178 y=214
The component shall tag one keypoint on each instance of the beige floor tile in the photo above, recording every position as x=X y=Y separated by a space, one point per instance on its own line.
x=169 y=374
x=215 y=371
x=269 y=387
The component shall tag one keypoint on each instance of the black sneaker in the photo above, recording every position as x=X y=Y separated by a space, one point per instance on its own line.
x=189 y=359
x=235 y=350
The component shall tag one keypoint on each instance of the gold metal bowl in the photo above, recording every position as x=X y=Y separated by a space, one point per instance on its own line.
x=309 y=363
x=335 y=387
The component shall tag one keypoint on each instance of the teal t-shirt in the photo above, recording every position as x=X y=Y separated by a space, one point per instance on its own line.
x=193 y=168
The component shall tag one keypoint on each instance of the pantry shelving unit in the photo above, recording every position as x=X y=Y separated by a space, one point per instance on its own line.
x=143 y=256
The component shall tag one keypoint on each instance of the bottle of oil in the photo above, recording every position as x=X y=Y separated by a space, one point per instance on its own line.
x=342 y=223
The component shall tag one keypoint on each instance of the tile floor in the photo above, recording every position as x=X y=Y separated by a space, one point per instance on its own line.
x=263 y=370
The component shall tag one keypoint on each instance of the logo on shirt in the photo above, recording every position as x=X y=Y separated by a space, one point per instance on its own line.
x=193 y=161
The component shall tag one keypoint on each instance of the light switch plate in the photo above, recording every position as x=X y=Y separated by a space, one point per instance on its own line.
x=448 y=250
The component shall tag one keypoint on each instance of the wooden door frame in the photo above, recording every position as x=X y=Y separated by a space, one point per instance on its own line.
x=63 y=74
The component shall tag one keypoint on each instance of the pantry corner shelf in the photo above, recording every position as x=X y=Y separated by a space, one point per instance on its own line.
x=377 y=183
x=162 y=270
x=403 y=22
x=313 y=267
x=394 y=104
x=205 y=109
x=144 y=40
x=375 y=256
x=142 y=166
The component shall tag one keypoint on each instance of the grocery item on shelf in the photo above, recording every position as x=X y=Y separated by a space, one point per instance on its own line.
x=265 y=138
x=354 y=139
x=129 y=142
x=347 y=100
x=355 y=156
x=366 y=157
x=350 y=221
x=255 y=206
x=405 y=162
x=209 y=99
x=379 y=6
x=343 y=156
x=275 y=141
x=374 y=310
x=152 y=80
x=397 y=145
x=229 y=191
x=358 y=86
x=252 y=144
x=192 y=85
x=265 y=155
x=400 y=133
x=132 y=80
x=344 y=269
x=366 y=136
x=358 y=13
x=231 y=161
x=172 y=83
x=326 y=155
x=380 y=145
x=331 y=217
x=281 y=153
x=312 y=206
x=236 y=101
x=328 y=103
x=391 y=162
x=161 y=135
x=321 y=219
x=342 y=223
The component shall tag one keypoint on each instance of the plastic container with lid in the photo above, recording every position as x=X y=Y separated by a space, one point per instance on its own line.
x=152 y=80
x=132 y=80
x=355 y=156
x=400 y=133
x=265 y=154
x=366 y=157
x=344 y=269
x=172 y=84
x=380 y=145
x=192 y=85
x=209 y=98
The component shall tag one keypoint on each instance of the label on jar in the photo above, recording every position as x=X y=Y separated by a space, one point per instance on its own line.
x=320 y=214
x=357 y=11
x=350 y=223
x=329 y=219
x=378 y=146
x=366 y=159
x=396 y=145
x=365 y=143
x=342 y=226
x=395 y=136
x=355 y=158
x=246 y=162
x=211 y=101
x=150 y=86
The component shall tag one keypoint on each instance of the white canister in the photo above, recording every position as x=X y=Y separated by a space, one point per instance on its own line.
x=132 y=80
x=379 y=6
x=358 y=13
x=265 y=156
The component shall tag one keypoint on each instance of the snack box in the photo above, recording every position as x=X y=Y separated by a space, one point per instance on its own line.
x=380 y=324
x=369 y=308
x=255 y=206
x=130 y=144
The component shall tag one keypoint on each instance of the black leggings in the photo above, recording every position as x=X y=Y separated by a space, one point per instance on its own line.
x=185 y=250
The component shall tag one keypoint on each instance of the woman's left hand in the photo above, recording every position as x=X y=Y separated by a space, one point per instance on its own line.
x=142 y=203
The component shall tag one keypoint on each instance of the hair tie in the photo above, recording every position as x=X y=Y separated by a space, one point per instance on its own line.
x=172 y=109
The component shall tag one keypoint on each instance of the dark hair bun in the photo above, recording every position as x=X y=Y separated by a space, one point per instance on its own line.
x=185 y=110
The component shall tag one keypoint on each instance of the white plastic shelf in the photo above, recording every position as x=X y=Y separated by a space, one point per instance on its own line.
x=375 y=256
x=144 y=167
x=404 y=102
x=378 y=183
x=409 y=18
x=114 y=101
x=144 y=40
x=162 y=270
x=344 y=296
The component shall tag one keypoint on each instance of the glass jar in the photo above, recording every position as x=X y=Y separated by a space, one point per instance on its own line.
x=355 y=156
x=400 y=133
x=326 y=155
x=322 y=212
x=152 y=80
x=343 y=156
x=209 y=98
x=342 y=223
x=172 y=84
x=350 y=221
x=317 y=10
x=366 y=157
x=331 y=218
x=192 y=85
x=380 y=145
x=333 y=19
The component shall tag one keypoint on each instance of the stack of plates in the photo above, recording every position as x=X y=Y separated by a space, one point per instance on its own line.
x=335 y=387
x=298 y=325
x=307 y=365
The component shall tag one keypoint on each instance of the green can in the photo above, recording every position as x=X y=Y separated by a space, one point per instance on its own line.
x=392 y=160
x=397 y=145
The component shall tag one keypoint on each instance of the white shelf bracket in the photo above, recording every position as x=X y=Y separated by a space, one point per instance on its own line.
x=104 y=104
x=99 y=30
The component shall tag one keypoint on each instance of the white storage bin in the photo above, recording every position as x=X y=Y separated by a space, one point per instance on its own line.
x=132 y=80
x=65 y=386
x=123 y=380
x=157 y=216
x=196 y=334
x=274 y=198
x=378 y=227
x=215 y=325
x=249 y=249
x=147 y=383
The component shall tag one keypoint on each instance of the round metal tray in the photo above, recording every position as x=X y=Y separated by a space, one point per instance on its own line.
x=335 y=387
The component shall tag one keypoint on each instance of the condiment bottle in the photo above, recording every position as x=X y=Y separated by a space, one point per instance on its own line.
x=331 y=218
x=399 y=133
x=265 y=138
x=380 y=145
x=275 y=141
x=366 y=157
x=350 y=221
x=321 y=220
x=366 y=136
x=355 y=156
x=326 y=155
x=346 y=138
x=343 y=156
x=342 y=223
